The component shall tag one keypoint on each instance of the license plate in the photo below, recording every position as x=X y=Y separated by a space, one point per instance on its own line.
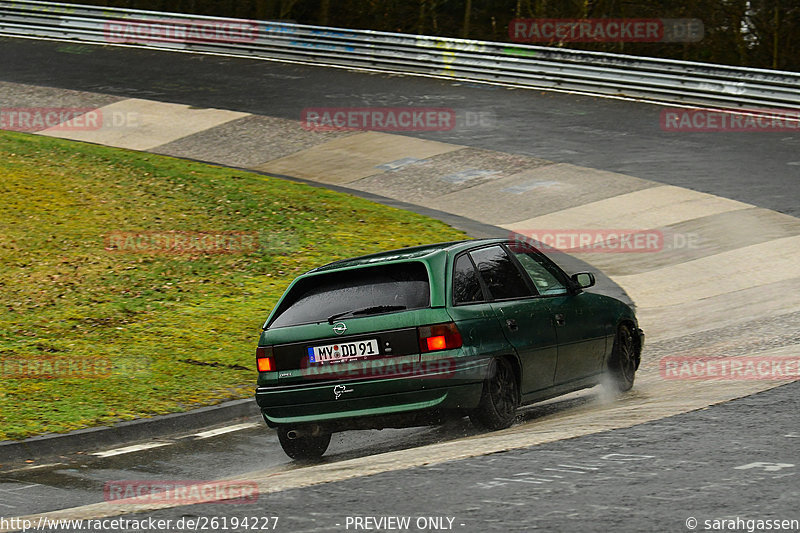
x=342 y=351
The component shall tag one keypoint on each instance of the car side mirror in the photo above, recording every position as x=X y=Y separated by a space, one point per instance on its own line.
x=583 y=280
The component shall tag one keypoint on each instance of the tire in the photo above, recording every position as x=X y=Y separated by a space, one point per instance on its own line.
x=303 y=448
x=500 y=397
x=623 y=361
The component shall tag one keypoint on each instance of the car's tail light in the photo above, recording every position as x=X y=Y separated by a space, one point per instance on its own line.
x=265 y=361
x=439 y=337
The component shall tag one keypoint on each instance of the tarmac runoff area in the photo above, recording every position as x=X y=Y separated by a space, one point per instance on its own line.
x=721 y=283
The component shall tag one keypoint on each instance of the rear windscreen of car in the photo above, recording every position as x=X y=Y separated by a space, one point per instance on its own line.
x=355 y=293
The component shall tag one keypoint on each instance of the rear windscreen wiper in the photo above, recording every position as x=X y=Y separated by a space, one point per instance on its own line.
x=367 y=311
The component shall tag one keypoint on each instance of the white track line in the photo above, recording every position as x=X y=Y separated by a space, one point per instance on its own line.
x=228 y=429
x=131 y=449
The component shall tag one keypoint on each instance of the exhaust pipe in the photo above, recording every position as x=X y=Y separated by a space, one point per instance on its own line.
x=314 y=430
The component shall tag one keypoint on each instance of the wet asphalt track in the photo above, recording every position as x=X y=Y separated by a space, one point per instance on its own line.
x=79 y=478
x=719 y=463
x=737 y=459
x=695 y=454
x=762 y=169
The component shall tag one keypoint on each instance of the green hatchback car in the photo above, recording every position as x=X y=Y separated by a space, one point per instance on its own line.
x=413 y=336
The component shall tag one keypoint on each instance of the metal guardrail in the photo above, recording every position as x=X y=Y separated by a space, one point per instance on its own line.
x=506 y=63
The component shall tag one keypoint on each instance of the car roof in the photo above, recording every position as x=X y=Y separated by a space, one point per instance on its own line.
x=404 y=254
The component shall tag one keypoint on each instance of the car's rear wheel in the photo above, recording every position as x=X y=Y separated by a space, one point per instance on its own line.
x=303 y=447
x=500 y=397
x=622 y=363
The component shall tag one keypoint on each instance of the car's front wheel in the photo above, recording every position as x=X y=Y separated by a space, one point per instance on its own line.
x=623 y=361
x=500 y=397
x=303 y=447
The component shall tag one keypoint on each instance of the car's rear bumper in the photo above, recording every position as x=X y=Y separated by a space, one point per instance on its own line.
x=458 y=387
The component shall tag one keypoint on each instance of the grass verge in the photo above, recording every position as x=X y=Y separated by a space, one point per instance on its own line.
x=102 y=319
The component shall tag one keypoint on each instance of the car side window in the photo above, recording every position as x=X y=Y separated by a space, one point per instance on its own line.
x=547 y=283
x=500 y=273
x=466 y=286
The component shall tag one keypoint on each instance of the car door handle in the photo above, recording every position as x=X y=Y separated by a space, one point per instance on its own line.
x=560 y=319
x=512 y=324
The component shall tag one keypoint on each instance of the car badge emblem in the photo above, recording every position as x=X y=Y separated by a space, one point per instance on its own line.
x=338 y=390
x=339 y=328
